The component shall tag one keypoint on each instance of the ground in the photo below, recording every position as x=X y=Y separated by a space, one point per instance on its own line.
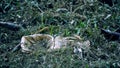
x=65 y=17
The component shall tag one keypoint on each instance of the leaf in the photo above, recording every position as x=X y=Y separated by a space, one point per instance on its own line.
x=53 y=43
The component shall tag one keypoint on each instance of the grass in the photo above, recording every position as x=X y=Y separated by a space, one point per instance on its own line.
x=37 y=14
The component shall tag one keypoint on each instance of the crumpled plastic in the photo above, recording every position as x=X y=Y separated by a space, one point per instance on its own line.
x=53 y=43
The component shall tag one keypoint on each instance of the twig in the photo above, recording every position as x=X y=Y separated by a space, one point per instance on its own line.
x=10 y=26
x=16 y=48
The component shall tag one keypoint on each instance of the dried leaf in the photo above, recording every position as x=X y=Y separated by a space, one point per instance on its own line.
x=53 y=43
